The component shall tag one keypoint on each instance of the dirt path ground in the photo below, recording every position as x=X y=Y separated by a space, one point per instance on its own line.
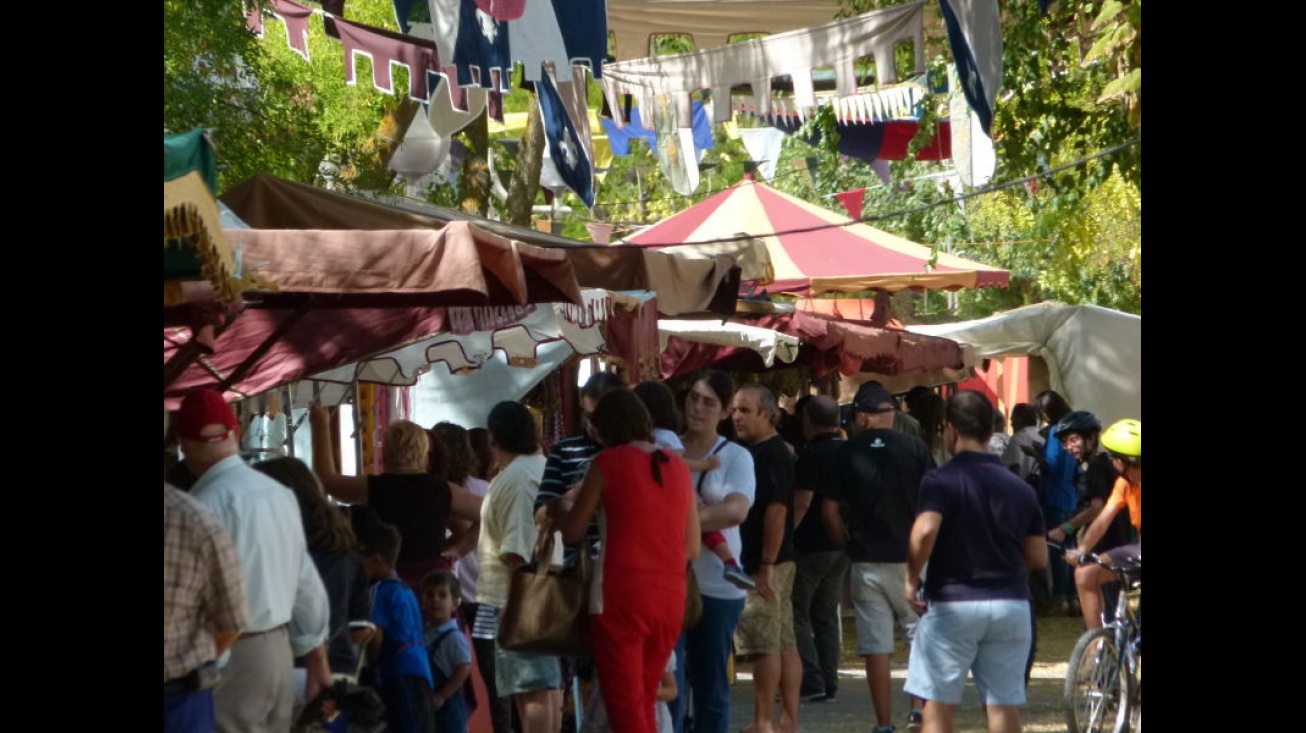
x=851 y=711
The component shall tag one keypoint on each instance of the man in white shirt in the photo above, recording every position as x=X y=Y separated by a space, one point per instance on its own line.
x=289 y=614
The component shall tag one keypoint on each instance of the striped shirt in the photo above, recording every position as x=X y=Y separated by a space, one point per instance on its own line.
x=203 y=584
x=564 y=470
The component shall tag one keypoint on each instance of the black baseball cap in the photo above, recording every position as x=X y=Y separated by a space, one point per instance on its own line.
x=871 y=397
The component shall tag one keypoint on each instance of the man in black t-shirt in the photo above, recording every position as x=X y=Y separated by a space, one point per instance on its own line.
x=765 y=633
x=870 y=488
x=821 y=565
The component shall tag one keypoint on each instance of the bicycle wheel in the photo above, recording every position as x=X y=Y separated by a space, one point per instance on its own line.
x=1129 y=714
x=1092 y=693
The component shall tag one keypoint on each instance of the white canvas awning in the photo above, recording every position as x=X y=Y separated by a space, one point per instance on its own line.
x=477 y=334
x=1094 y=355
x=768 y=343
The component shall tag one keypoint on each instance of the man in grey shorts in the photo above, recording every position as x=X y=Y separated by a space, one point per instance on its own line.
x=870 y=488
x=980 y=528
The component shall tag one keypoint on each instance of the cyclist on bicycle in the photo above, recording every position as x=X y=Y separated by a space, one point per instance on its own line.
x=1124 y=442
x=1079 y=433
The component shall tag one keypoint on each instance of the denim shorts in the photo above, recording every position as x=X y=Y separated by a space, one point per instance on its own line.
x=877 y=594
x=515 y=672
x=990 y=639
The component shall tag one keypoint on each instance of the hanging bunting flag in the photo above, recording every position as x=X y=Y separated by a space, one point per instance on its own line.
x=880 y=167
x=840 y=45
x=445 y=117
x=972 y=150
x=852 y=201
x=675 y=147
x=565 y=148
x=886 y=140
x=619 y=137
x=295 y=17
x=975 y=34
x=254 y=20
x=388 y=49
x=574 y=30
x=763 y=145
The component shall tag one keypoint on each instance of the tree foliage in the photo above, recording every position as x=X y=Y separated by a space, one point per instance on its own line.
x=1071 y=103
x=267 y=108
x=1071 y=100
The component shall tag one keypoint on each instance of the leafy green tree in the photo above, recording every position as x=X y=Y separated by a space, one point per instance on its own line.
x=269 y=110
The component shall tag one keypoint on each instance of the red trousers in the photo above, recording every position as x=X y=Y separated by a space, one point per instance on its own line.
x=633 y=639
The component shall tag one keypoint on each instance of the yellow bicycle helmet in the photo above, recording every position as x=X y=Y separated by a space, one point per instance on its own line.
x=1124 y=437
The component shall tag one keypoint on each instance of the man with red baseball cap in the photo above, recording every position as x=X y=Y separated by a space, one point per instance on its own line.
x=287 y=602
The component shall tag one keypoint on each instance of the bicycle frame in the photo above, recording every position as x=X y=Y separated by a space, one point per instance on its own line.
x=1113 y=681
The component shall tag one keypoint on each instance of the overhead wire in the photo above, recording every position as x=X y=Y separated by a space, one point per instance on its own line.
x=903 y=212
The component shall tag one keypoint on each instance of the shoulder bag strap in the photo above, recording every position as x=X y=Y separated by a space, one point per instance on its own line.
x=721 y=443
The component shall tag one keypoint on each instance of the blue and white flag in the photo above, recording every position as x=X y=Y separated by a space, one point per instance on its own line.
x=975 y=34
x=565 y=148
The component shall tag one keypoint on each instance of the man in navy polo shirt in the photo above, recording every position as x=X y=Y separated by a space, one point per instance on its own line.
x=980 y=529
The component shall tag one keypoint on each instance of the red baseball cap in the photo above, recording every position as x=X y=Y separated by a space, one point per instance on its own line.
x=201 y=408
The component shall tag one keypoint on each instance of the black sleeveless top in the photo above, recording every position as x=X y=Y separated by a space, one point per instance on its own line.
x=418 y=504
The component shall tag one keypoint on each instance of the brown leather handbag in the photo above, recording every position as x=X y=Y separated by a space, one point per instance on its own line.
x=548 y=605
x=693 y=598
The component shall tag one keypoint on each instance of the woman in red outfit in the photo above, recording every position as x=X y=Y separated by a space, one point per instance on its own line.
x=648 y=525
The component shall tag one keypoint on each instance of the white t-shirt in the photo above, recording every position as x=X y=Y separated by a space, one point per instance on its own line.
x=667 y=440
x=734 y=476
x=468 y=567
x=507 y=526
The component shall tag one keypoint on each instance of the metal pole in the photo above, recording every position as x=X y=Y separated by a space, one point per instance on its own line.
x=289 y=411
x=358 y=431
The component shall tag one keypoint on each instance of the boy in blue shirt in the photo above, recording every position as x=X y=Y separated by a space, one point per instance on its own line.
x=403 y=675
x=447 y=649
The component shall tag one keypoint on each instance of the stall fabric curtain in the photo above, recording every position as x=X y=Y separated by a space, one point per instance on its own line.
x=632 y=337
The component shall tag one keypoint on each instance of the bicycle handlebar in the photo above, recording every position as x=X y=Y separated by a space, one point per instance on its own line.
x=1095 y=559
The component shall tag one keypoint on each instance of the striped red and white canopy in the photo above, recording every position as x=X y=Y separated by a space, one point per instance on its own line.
x=813 y=250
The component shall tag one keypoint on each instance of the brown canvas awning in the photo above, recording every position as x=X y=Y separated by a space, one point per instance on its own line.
x=457 y=265
x=346 y=295
x=683 y=285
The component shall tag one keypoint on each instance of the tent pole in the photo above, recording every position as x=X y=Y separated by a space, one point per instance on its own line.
x=289 y=411
x=358 y=430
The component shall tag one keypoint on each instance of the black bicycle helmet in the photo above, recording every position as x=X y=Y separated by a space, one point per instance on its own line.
x=1079 y=421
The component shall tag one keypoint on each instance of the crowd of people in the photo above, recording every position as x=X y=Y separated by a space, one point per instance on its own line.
x=282 y=580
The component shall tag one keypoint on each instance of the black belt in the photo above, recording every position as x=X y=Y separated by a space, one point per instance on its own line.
x=201 y=678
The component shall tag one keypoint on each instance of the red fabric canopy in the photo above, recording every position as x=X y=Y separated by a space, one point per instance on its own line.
x=829 y=343
x=813 y=250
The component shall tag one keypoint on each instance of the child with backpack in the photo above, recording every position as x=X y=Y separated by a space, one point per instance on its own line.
x=402 y=673
x=448 y=651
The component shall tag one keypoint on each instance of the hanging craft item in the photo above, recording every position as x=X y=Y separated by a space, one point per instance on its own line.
x=370 y=458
